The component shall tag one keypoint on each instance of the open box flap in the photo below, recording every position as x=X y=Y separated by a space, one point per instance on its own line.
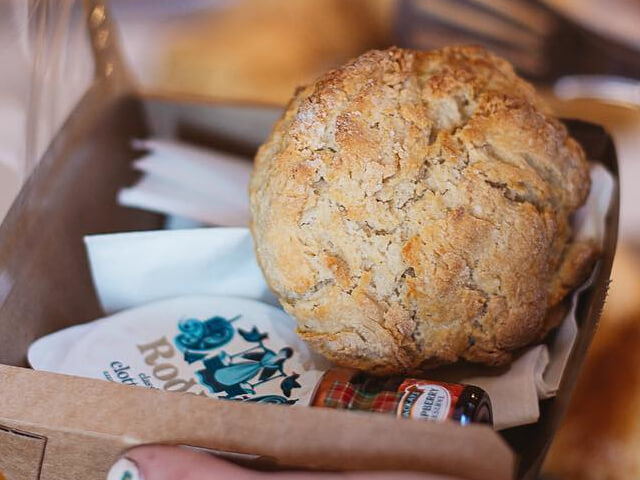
x=318 y=438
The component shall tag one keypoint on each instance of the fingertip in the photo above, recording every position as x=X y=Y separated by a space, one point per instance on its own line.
x=124 y=469
x=164 y=462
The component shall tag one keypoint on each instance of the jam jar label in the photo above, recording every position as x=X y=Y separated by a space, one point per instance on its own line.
x=426 y=401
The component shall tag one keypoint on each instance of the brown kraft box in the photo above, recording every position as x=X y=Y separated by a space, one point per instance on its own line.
x=58 y=427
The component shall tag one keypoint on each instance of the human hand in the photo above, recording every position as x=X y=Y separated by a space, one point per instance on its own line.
x=173 y=463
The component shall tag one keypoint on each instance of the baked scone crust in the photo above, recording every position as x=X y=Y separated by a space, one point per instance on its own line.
x=412 y=208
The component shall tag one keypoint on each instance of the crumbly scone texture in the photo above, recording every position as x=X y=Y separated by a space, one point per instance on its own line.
x=412 y=208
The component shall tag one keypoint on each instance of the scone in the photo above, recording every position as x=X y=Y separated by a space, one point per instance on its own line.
x=412 y=208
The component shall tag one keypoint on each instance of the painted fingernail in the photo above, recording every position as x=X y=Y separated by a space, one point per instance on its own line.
x=124 y=469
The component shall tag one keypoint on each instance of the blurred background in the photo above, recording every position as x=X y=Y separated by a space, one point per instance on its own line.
x=583 y=55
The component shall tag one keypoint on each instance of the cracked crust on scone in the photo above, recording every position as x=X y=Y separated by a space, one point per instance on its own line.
x=412 y=208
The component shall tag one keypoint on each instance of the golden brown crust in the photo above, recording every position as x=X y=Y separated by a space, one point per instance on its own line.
x=412 y=208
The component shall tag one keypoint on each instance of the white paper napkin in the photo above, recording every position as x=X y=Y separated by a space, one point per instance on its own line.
x=191 y=182
x=130 y=269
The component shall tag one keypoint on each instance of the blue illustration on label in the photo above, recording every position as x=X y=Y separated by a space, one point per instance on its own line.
x=278 y=399
x=236 y=375
x=201 y=336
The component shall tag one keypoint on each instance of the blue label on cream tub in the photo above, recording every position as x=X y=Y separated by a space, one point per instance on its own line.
x=223 y=347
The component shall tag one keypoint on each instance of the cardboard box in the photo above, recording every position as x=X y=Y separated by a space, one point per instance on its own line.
x=57 y=427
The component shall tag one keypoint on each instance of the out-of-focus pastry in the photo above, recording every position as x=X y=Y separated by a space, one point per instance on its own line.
x=261 y=50
x=413 y=208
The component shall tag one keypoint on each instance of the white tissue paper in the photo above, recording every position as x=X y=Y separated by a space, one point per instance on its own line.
x=131 y=269
x=191 y=182
x=222 y=347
